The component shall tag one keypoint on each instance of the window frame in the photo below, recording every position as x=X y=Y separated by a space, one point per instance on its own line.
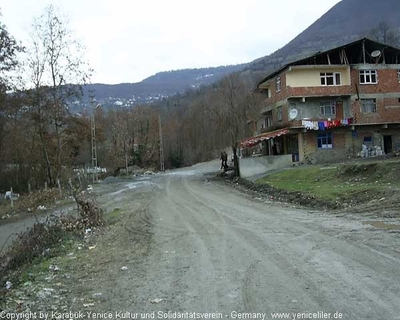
x=278 y=84
x=324 y=105
x=267 y=122
x=370 y=73
x=334 y=76
x=323 y=140
x=373 y=104
x=279 y=114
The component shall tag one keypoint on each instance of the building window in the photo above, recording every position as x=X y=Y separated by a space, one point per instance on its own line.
x=368 y=141
x=331 y=78
x=368 y=77
x=324 y=140
x=368 y=105
x=328 y=109
x=279 y=113
x=267 y=122
x=278 y=84
x=398 y=75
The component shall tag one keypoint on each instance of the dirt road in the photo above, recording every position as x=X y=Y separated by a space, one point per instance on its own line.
x=200 y=246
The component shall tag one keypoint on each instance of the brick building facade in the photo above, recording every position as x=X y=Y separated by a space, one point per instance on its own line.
x=341 y=103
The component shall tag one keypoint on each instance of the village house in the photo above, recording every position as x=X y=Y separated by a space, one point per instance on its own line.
x=341 y=103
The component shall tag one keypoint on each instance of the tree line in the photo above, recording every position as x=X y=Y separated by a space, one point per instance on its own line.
x=41 y=141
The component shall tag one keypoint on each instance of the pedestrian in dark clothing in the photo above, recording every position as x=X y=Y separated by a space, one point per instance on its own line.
x=224 y=160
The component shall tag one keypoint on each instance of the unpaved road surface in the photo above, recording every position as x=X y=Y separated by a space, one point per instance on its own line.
x=197 y=245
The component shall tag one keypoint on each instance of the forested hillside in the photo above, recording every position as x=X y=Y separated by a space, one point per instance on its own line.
x=43 y=138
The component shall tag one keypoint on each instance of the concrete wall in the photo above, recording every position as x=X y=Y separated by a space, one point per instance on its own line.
x=258 y=165
x=311 y=108
x=310 y=77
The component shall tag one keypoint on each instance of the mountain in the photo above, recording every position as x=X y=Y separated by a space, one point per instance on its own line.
x=158 y=86
x=347 y=21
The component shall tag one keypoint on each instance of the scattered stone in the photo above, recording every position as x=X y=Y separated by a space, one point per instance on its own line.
x=86 y=305
x=54 y=268
x=156 y=300
x=45 y=293
x=124 y=268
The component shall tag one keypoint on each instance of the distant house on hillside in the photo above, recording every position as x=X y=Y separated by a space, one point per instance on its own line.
x=333 y=105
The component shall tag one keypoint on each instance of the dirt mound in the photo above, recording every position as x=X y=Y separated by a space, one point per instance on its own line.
x=383 y=171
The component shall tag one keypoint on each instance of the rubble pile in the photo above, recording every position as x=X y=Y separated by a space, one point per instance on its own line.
x=39 y=200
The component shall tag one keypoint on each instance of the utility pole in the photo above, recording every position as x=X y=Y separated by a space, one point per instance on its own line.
x=94 y=148
x=161 y=145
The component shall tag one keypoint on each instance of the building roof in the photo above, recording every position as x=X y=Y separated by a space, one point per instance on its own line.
x=352 y=53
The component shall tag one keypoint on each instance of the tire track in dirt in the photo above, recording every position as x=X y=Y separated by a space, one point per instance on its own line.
x=311 y=286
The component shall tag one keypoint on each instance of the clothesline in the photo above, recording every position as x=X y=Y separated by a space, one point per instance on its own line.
x=323 y=125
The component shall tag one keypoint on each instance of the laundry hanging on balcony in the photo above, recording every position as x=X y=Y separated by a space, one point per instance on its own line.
x=323 y=125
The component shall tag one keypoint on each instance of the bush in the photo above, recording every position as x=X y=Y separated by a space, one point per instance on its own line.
x=42 y=236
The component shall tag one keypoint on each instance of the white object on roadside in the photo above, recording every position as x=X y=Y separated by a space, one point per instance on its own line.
x=8 y=285
x=8 y=195
x=54 y=267
x=124 y=268
x=156 y=300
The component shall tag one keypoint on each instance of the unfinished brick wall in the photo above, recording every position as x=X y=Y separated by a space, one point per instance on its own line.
x=280 y=95
x=341 y=148
x=387 y=95
x=318 y=91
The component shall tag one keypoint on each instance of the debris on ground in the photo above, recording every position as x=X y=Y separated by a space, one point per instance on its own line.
x=39 y=200
x=156 y=300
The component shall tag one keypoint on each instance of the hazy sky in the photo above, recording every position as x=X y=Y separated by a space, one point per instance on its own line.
x=129 y=40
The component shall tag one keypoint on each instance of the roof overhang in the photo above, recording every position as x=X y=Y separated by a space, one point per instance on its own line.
x=251 y=142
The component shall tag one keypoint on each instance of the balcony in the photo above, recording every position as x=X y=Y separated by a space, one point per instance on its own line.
x=322 y=91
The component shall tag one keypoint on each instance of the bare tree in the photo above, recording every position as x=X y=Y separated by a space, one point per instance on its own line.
x=234 y=106
x=384 y=33
x=122 y=138
x=57 y=69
